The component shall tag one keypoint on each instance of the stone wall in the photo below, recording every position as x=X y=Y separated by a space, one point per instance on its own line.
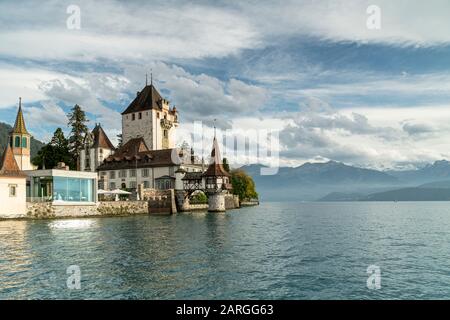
x=231 y=201
x=107 y=208
x=159 y=201
x=114 y=208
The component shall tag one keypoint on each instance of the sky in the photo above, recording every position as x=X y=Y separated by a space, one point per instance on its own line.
x=313 y=71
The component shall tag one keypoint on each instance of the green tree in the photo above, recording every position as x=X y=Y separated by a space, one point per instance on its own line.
x=120 y=140
x=57 y=150
x=199 y=198
x=225 y=165
x=77 y=123
x=243 y=185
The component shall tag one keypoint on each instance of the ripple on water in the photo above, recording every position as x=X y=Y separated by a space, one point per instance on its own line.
x=274 y=251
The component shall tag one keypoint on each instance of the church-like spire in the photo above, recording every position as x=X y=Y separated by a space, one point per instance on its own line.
x=19 y=125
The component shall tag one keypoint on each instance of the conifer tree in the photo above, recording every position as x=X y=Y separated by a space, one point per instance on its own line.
x=77 y=123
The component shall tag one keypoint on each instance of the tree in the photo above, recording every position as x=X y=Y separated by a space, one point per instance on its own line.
x=225 y=165
x=243 y=185
x=119 y=140
x=77 y=123
x=57 y=150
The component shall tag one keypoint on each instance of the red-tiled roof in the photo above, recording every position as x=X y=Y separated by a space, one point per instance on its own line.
x=8 y=165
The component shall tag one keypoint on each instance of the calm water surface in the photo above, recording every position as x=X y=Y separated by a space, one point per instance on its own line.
x=274 y=251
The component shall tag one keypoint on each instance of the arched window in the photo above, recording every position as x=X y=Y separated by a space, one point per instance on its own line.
x=24 y=142
x=17 y=142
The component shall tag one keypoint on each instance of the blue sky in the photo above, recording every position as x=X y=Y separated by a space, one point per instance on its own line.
x=310 y=69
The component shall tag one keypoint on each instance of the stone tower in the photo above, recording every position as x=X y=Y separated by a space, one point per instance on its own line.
x=149 y=116
x=20 y=141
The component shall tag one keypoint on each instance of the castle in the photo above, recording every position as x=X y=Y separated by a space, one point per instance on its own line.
x=147 y=156
x=146 y=163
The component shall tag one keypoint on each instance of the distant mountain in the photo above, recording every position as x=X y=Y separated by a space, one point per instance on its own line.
x=335 y=181
x=341 y=196
x=439 y=170
x=311 y=181
x=437 y=184
x=5 y=129
x=411 y=194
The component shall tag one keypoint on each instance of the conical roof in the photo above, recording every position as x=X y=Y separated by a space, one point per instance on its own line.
x=216 y=168
x=8 y=165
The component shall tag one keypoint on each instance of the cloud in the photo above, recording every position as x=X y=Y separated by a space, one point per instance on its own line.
x=362 y=136
x=117 y=30
x=415 y=129
x=201 y=96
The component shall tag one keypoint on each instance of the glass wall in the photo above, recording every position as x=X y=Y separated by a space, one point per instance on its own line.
x=73 y=189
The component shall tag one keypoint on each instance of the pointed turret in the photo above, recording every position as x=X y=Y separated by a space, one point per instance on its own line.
x=19 y=125
x=20 y=141
x=216 y=168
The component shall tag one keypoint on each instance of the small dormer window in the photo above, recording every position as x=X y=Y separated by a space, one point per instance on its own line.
x=17 y=142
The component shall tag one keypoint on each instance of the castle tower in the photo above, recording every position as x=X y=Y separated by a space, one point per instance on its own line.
x=20 y=141
x=150 y=117
x=97 y=147
x=217 y=181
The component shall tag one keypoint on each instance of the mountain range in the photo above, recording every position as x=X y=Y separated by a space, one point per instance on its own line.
x=335 y=181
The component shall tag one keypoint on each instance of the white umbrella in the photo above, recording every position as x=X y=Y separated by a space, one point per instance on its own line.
x=101 y=191
x=118 y=191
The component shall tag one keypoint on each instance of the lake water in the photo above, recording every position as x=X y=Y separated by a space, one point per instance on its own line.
x=273 y=251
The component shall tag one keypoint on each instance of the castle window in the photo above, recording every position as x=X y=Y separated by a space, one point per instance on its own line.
x=132 y=184
x=144 y=172
x=133 y=117
x=17 y=142
x=157 y=115
x=133 y=173
x=146 y=184
x=165 y=133
x=112 y=174
x=13 y=190
x=24 y=142
x=122 y=173
x=112 y=186
x=140 y=115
